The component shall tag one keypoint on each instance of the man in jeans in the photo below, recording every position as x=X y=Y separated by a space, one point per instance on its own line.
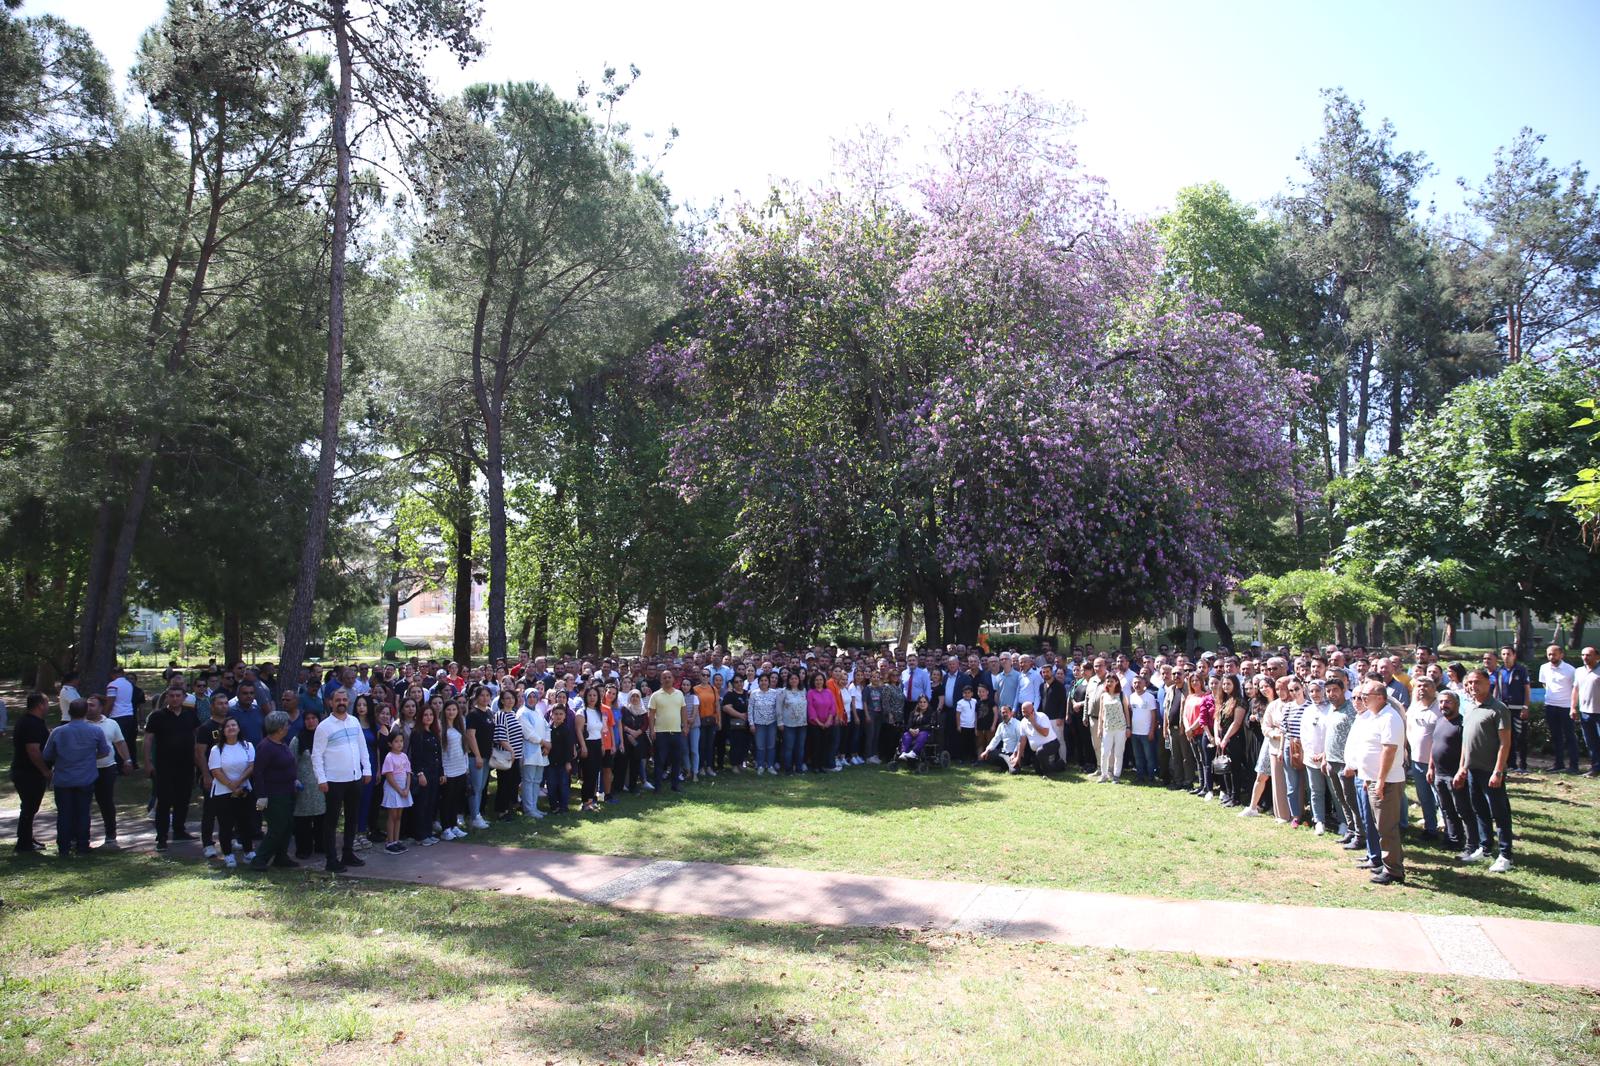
x=339 y=759
x=1556 y=676
x=1486 y=736
x=1455 y=805
x=1373 y=751
x=666 y=709
x=1586 y=705
x=71 y=753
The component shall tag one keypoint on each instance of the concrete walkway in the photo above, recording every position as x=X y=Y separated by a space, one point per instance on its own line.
x=1555 y=953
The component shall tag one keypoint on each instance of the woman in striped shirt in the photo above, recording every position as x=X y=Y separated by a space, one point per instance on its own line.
x=508 y=741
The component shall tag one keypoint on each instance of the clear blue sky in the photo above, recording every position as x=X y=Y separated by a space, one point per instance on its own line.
x=1172 y=92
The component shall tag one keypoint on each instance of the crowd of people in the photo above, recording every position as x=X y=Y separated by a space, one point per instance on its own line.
x=332 y=763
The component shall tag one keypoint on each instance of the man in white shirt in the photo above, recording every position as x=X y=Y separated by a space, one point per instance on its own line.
x=340 y=760
x=120 y=689
x=69 y=692
x=1557 y=676
x=1039 y=734
x=1586 y=705
x=1373 y=753
x=1420 y=718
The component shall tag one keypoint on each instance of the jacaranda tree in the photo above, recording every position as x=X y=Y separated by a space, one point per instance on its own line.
x=968 y=396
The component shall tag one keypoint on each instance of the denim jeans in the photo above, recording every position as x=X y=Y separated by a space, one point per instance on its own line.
x=1144 y=758
x=1493 y=809
x=558 y=786
x=1425 y=796
x=73 y=804
x=691 y=763
x=1563 y=736
x=794 y=748
x=532 y=778
x=1456 y=813
x=1590 y=724
x=766 y=746
x=1294 y=787
x=670 y=753
x=708 y=742
x=1369 y=823
x=1317 y=788
x=477 y=786
x=830 y=746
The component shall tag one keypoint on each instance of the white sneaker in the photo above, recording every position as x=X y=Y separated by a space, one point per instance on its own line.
x=857 y=761
x=479 y=823
x=237 y=847
x=536 y=813
x=648 y=787
x=1249 y=812
x=211 y=851
x=1321 y=829
x=230 y=862
x=429 y=841
x=1207 y=798
x=1476 y=856
x=1501 y=865
x=875 y=761
x=250 y=857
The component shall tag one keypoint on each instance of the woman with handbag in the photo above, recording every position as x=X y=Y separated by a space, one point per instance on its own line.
x=1294 y=752
x=1272 y=729
x=1228 y=735
x=506 y=758
x=1199 y=708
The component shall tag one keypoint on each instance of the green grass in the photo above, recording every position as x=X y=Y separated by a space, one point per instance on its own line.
x=1072 y=833
x=137 y=959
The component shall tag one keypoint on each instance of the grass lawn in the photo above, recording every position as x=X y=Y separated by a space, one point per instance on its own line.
x=137 y=959
x=1072 y=833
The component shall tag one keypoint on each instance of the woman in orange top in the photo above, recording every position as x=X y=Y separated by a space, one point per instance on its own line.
x=609 y=745
x=710 y=717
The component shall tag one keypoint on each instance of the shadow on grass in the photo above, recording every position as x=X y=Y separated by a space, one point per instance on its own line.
x=599 y=983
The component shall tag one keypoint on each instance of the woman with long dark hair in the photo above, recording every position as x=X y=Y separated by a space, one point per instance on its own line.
x=425 y=750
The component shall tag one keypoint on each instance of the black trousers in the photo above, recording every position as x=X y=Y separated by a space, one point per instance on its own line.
x=507 y=785
x=1047 y=759
x=343 y=796
x=30 y=790
x=105 y=797
x=426 y=805
x=738 y=740
x=630 y=775
x=173 y=785
x=208 y=817
x=452 y=800
x=235 y=821
x=307 y=835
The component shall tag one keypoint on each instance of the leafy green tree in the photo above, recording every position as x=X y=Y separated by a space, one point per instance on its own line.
x=1303 y=607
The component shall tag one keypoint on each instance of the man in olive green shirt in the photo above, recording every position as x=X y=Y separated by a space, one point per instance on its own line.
x=1485 y=751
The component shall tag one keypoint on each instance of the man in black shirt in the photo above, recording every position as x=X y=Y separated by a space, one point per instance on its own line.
x=1455 y=804
x=29 y=773
x=207 y=736
x=480 y=724
x=169 y=745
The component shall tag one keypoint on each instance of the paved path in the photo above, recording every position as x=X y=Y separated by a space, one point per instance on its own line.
x=1543 y=952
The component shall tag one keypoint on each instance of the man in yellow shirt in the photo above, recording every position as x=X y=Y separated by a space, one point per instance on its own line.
x=666 y=730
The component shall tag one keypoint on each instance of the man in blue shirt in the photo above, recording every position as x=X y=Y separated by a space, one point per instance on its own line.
x=915 y=681
x=72 y=753
x=251 y=718
x=1509 y=684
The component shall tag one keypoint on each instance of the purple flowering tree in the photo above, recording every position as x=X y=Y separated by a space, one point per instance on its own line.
x=982 y=394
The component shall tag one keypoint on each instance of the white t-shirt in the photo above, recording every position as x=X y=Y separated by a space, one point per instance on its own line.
x=121 y=691
x=851 y=694
x=1144 y=712
x=454 y=753
x=231 y=759
x=1557 y=682
x=1420 y=720
x=113 y=733
x=1370 y=734
x=1038 y=738
x=967 y=714
x=68 y=694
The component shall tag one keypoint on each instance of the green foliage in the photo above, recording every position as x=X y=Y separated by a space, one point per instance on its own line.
x=1302 y=607
x=343 y=642
x=1584 y=497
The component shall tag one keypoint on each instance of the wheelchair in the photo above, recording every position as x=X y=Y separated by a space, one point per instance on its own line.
x=935 y=753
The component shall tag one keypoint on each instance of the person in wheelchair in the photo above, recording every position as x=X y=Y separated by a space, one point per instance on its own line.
x=919 y=728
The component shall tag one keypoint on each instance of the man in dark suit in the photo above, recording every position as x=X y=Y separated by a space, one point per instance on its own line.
x=1053 y=706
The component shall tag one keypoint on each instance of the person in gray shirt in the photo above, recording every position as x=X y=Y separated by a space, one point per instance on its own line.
x=72 y=753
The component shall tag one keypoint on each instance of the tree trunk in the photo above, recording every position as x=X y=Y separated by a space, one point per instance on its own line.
x=392 y=629
x=1363 y=403
x=524 y=632
x=1380 y=626
x=183 y=637
x=1513 y=332
x=932 y=622
x=1344 y=422
x=462 y=608
x=298 y=627
x=655 y=626
x=232 y=637
x=867 y=616
x=1579 y=622
x=1219 y=620
x=906 y=617
x=608 y=634
x=1358 y=634
x=1341 y=634
x=1191 y=636
x=1125 y=638
x=495 y=474
x=588 y=633
x=1396 y=412
x=1449 y=630
x=103 y=650
x=541 y=633
x=1524 y=635
x=99 y=568
x=1299 y=508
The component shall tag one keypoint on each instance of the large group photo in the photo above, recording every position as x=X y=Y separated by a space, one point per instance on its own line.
x=865 y=535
